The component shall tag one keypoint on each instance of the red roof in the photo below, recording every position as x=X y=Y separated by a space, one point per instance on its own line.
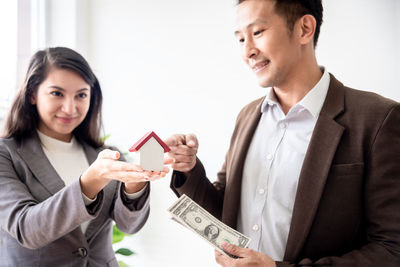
x=145 y=138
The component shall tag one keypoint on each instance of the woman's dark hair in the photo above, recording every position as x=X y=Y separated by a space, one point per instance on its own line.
x=292 y=10
x=23 y=118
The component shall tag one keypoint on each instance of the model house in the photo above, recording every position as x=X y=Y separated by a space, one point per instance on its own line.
x=151 y=149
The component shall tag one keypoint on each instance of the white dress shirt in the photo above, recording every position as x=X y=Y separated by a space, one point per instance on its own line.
x=272 y=168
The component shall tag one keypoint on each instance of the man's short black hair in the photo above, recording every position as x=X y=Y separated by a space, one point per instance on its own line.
x=292 y=10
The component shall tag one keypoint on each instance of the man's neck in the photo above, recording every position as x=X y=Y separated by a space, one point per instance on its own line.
x=300 y=84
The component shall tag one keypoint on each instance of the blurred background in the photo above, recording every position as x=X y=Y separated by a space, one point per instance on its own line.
x=174 y=67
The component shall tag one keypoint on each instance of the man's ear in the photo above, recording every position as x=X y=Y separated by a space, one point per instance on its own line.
x=306 y=25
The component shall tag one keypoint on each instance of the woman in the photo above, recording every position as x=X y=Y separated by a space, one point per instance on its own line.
x=57 y=201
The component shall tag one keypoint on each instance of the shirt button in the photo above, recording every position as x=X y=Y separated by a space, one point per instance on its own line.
x=255 y=227
x=282 y=125
x=269 y=156
x=261 y=191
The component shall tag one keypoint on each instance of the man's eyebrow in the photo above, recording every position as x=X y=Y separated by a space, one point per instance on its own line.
x=257 y=21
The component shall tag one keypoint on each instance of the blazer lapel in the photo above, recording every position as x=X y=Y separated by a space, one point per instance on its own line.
x=235 y=167
x=91 y=155
x=32 y=153
x=317 y=163
x=90 y=152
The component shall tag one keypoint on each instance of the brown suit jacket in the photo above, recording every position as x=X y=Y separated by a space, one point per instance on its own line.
x=347 y=205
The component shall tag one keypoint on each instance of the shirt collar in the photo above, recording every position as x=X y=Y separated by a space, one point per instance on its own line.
x=312 y=101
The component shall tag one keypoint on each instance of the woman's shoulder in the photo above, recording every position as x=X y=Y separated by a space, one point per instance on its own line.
x=9 y=143
x=8 y=147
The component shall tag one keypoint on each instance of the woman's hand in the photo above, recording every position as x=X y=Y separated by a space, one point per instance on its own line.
x=132 y=187
x=107 y=168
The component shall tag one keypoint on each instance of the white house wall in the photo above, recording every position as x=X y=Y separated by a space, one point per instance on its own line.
x=152 y=155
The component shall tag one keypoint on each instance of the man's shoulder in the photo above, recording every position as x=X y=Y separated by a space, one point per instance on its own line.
x=366 y=107
x=367 y=99
x=358 y=103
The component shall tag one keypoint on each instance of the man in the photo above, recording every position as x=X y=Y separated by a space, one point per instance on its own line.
x=312 y=174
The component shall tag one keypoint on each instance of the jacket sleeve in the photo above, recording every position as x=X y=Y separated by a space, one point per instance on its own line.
x=381 y=204
x=32 y=223
x=199 y=188
x=130 y=214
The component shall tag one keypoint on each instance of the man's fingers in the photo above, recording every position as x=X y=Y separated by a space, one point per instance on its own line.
x=168 y=160
x=184 y=150
x=191 y=140
x=109 y=154
x=175 y=140
x=221 y=259
x=234 y=250
x=184 y=159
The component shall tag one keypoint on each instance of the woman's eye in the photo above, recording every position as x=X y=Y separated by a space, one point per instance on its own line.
x=56 y=93
x=82 y=95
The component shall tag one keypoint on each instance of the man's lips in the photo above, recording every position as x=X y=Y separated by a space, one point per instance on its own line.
x=259 y=65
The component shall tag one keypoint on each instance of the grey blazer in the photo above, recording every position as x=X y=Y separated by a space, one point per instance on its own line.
x=40 y=217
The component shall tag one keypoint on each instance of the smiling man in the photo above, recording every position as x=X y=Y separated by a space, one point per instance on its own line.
x=312 y=174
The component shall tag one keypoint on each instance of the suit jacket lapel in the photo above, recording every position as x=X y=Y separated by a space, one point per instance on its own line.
x=235 y=168
x=317 y=163
x=32 y=153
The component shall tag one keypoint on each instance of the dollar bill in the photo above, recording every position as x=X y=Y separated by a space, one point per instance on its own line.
x=191 y=215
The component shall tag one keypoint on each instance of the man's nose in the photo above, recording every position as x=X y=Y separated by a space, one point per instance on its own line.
x=250 y=50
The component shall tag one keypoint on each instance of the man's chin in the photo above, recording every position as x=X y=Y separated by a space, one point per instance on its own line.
x=264 y=83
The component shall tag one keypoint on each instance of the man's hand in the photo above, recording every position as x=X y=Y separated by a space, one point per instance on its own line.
x=247 y=257
x=183 y=151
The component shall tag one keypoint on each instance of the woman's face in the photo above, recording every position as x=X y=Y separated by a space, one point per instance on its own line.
x=62 y=101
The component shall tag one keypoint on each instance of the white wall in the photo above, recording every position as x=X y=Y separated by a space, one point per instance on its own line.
x=174 y=67
x=360 y=42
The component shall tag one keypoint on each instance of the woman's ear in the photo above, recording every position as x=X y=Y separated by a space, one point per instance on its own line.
x=32 y=98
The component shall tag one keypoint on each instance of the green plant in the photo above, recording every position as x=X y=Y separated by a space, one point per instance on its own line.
x=118 y=236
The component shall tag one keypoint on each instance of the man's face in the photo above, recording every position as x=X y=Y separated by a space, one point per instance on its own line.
x=266 y=44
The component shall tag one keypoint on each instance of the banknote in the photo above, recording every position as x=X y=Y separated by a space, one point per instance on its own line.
x=191 y=215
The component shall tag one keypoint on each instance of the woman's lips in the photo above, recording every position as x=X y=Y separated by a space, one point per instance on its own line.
x=66 y=120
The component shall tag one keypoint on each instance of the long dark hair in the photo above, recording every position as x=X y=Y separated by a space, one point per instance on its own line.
x=23 y=118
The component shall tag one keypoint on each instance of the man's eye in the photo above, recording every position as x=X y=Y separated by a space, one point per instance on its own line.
x=56 y=93
x=241 y=40
x=258 y=32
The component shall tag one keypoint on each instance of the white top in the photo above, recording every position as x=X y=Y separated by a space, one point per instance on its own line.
x=272 y=168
